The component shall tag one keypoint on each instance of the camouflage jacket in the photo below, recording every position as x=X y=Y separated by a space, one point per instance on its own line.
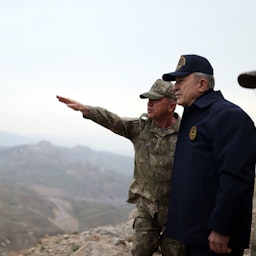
x=154 y=151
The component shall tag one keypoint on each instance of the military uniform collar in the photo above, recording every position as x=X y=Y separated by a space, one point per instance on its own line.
x=166 y=131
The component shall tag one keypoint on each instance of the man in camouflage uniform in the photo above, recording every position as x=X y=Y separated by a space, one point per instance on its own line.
x=154 y=137
x=248 y=80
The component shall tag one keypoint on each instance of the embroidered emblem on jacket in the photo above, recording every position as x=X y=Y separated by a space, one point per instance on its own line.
x=193 y=132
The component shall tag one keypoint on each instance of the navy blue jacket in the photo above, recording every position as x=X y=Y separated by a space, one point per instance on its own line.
x=214 y=171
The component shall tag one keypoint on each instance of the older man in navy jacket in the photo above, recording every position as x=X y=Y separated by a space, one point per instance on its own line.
x=214 y=168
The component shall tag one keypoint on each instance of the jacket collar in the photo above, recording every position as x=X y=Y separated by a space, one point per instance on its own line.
x=208 y=98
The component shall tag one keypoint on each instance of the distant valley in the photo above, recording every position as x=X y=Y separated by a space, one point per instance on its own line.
x=47 y=189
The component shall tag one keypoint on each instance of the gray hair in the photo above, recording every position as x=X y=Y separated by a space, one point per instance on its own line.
x=209 y=79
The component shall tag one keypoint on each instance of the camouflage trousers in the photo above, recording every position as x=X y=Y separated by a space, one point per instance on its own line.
x=148 y=237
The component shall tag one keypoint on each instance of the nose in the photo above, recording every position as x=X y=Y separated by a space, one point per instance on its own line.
x=175 y=87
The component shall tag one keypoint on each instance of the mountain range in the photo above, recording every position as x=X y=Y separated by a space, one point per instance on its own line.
x=47 y=189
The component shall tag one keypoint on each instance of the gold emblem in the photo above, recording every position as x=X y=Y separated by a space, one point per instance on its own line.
x=192 y=133
x=182 y=62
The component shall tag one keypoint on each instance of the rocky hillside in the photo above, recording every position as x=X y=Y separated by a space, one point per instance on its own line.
x=104 y=240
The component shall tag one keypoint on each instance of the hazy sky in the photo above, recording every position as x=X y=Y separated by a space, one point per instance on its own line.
x=107 y=52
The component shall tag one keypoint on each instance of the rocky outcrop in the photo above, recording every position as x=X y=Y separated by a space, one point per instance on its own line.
x=104 y=241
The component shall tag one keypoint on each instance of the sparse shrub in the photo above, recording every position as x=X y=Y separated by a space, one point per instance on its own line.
x=75 y=247
x=42 y=248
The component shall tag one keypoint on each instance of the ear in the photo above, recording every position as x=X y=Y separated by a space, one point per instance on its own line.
x=203 y=85
x=172 y=106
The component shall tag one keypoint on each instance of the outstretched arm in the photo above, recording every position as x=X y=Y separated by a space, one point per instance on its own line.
x=74 y=104
x=126 y=127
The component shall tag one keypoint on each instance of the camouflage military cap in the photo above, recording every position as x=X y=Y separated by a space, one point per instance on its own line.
x=247 y=80
x=159 y=90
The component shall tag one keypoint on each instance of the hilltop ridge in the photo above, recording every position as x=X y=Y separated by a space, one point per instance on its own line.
x=104 y=240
